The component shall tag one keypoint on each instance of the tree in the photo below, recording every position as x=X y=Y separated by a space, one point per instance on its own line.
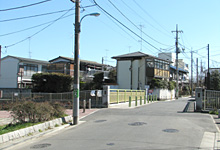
x=51 y=82
x=98 y=80
x=215 y=80
x=112 y=77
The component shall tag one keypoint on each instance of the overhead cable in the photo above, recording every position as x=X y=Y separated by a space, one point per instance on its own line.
x=135 y=24
x=25 y=6
x=125 y=26
x=39 y=30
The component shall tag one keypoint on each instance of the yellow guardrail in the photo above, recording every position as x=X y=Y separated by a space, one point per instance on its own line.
x=122 y=95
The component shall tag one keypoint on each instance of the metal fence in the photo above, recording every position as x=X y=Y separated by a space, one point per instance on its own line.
x=121 y=95
x=64 y=98
x=211 y=100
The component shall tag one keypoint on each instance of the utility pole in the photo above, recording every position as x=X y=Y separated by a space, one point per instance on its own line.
x=208 y=74
x=177 y=69
x=76 y=64
x=0 y=58
x=197 y=72
x=191 y=73
x=201 y=71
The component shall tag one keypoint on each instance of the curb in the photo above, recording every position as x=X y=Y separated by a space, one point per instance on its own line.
x=33 y=129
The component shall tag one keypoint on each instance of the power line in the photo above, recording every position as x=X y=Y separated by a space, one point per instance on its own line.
x=27 y=17
x=134 y=24
x=25 y=6
x=39 y=30
x=145 y=19
x=33 y=26
x=124 y=25
x=151 y=17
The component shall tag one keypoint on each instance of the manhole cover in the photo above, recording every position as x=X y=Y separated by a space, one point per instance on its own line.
x=110 y=144
x=171 y=130
x=98 y=121
x=137 y=124
x=41 y=146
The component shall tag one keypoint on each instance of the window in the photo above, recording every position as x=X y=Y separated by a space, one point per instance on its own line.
x=149 y=63
x=30 y=69
x=44 y=68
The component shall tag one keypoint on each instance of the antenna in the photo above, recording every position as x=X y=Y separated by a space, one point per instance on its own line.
x=29 y=47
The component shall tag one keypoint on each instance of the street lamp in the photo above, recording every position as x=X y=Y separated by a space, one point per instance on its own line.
x=76 y=60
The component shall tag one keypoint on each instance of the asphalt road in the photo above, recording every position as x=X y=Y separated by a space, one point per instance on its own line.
x=158 y=126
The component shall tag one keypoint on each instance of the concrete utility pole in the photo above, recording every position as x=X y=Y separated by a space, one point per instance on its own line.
x=191 y=73
x=177 y=69
x=76 y=90
x=76 y=64
x=0 y=58
x=208 y=74
x=197 y=72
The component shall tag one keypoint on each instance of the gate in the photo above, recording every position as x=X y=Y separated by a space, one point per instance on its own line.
x=211 y=100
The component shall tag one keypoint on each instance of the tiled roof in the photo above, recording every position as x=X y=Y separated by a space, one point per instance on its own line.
x=72 y=60
x=135 y=55
x=180 y=69
x=27 y=59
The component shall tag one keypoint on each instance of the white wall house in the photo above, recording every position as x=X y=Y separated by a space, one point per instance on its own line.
x=17 y=72
x=182 y=67
x=136 y=70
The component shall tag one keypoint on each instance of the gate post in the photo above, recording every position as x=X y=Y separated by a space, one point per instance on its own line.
x=199 y=99
x=106 y=96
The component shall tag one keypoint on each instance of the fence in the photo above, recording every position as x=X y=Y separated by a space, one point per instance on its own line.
x=211 y=100
x=121 y=95
x=65 y=98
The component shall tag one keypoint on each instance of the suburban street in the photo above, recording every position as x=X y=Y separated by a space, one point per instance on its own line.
x=160 y=125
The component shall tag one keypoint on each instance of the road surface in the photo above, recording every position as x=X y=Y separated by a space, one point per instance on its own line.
x=157 y=126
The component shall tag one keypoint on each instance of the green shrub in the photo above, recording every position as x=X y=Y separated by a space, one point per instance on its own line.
x=171 y=85
x=58 y=110
x=51 y=82
x=28 y=111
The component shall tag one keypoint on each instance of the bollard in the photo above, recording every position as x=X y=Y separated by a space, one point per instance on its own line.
x=156 y=97
x=145 y=99
x=148 y=98
x=140 y=100
x=90 y=104
x=151 y=98
x=84 y=106
x=129 y=101
x=136 y=101
x=218 y=113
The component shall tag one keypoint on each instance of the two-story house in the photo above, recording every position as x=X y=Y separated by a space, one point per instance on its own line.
x=16 y=72
x=182 y=68
x=87 y=68
x=136 y=70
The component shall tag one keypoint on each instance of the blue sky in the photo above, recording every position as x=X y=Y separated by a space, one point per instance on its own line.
x=104 y=37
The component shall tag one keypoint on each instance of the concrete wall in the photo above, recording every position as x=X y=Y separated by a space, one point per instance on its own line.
x=135 y=65
x=142 y=74
x=168 y=56
x=9 y=70
x=163 y=94
x=124 y=74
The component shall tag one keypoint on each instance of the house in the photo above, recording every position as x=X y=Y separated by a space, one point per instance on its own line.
x=182 y=67
x=87 y=68
x=136 y=70
x=16 y=72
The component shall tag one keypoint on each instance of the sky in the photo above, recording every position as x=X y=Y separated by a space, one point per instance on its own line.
x=118 y=29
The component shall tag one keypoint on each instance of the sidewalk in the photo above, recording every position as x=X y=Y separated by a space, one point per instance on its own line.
x=6 y=118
